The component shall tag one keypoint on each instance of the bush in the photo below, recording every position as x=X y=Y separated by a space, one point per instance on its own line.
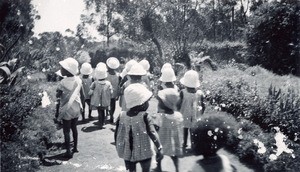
x=274 y=40
x=247 y=96
x=26 y=127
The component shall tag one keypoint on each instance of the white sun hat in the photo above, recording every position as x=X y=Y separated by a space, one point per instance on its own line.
x=166 y=65
x=113 y=63
x=137 y=69
x=167 y=75
x=70 y=64
x=100 y=73
x=145 y=64
x=128 y=66
x=136 y=94
x=102 y=66
x=190 y=79
x=86 y=69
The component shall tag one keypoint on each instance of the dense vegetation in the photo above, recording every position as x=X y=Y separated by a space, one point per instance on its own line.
x=235 y=34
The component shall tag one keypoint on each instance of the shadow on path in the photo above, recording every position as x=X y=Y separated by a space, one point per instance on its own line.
x=91 y=128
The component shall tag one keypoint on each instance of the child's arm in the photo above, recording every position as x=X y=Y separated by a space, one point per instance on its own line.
x=180 y=101
x=92 y=88
x=58 y=95
x=152 y=132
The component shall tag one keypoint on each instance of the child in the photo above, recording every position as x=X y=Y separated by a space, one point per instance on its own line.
x=124 y=78
x=167 y=79
x=100 y=92
x=208 y=136
x=135 y=76
x=70 y=107
x=133 y=129
x=86 y=70
x=169 y=125
x=192 y=102
x=113 y=77
x=148 y=78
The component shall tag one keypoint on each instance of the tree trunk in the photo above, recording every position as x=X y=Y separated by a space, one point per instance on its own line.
x=232 y=23
x=147 y=25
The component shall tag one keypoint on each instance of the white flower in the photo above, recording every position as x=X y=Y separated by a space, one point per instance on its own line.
x=199 y=108
x=261 y=147
x=240 y=137
x=293 y=156
x=45 y=100
x=207 y=92
x=216 y=129
x=57 y=49
x=28 y=77
x=240 y=130
x=30 y=42
x=209 y=132
x=262 y=150
x=222 y=105
x=215 y=137
x=272 y=157
x=281 y=146
x=43 y=70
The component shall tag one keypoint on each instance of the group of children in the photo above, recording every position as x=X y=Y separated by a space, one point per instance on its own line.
x=178 y=110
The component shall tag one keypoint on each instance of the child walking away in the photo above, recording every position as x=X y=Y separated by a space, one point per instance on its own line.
x=125 y=82
x=86 y=70
x=208 y=136
x=100 y=92
x=148 y=78
x=135 y=76
x=135 y=128
x=170 y=124
x=113 y=77
x=167 y=79
x=191 y=103
x=70 y=105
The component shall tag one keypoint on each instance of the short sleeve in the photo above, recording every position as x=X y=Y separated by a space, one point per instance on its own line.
x=92 y=87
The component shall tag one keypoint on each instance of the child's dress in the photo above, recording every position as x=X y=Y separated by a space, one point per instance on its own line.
x=70 y=104
x=170 y=126
x=100 y=92
x=114 y=80
x=191 y=107
x=86 y=84
x=132 y=139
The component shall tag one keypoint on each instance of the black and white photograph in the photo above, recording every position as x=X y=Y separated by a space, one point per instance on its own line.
x=150 y=85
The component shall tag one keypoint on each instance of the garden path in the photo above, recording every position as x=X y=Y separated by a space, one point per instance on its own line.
x=97 y=151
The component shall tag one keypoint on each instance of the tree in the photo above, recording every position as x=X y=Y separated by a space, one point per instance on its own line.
x=16 y=23
x=274 y=41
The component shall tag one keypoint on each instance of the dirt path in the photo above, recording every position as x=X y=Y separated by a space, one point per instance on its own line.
x=97 y=152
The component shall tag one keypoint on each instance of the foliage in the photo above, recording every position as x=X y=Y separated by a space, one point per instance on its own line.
x=26 y=128
x=274 y=40
x=252 y=97
x=16 y=22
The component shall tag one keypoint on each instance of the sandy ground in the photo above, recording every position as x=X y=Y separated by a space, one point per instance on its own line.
x=97 y=152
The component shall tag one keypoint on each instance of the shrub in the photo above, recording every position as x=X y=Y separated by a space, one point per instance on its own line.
x=269 y=46
x=26 y=127
x=259 y=107
x=247 y=96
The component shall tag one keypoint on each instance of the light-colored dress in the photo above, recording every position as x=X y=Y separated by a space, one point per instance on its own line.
x=114 y=80
x=86 y=84
x=100 y=92
x=133 y=141
x=191 y=108
x=170 y=126
x=70 y=104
